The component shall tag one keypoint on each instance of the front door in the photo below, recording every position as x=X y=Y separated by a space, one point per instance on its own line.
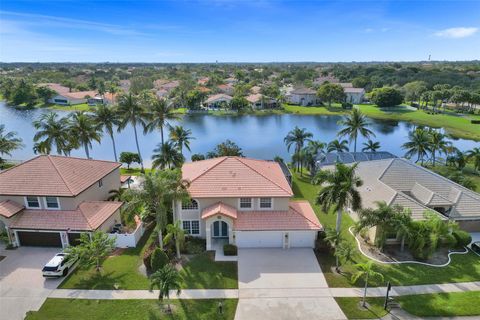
x=220 y=229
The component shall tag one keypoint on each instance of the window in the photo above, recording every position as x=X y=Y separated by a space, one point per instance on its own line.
x=32 y=202
x=265 y=203
x=195 y=227
x=52 y=203
x=100 y=183
x=191 y=227
x=190 y=205
x=245 y=203
x=186 y=226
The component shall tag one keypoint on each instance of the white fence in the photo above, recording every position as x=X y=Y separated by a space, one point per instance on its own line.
x=128 y=240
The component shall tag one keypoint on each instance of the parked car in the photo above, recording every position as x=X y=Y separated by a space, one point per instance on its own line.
x=475 y=247
x=58 y=266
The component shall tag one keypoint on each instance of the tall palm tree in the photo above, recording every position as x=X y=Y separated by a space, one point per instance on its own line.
x=338 y=146
x=131 y=111
x=316 y=146
x=474 y=154
x=158 y=115
x=53 y=132
x=437 y=143
x=355 y=124
x=176 y=233
x=339 y=190
x=107 y=118
x=166 y=156
x=366 y=271
x=84 y=129
x=371 y=146
x=166 y=279
x=8 y=141
x=181 y=137
x=418 y=143
x=297 y=137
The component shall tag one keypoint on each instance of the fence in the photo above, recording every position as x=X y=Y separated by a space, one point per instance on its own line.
x=128 y=240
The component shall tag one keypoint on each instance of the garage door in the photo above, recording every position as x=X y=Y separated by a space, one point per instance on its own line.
x=259 y=239
x=39 y=239
x=302 y=239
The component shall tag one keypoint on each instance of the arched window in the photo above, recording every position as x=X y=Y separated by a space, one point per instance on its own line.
x=190 y=205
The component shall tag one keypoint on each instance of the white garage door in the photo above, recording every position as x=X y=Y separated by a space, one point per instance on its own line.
x=302 y=239
x=259 y=239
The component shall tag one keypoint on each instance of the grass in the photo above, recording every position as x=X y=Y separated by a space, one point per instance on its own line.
x=76 y=107
x=463 y=268
x=352 y=309
x=133 y=171
x=335 y=109
x=78 y=309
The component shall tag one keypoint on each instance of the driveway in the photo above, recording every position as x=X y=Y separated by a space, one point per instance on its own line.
x=283 y=284
x=22 y=287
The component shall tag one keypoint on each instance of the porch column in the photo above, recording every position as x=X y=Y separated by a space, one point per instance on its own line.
x=208 y=236
x=230 y=233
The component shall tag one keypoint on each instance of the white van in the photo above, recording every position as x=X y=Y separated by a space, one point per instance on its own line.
x=58 y=266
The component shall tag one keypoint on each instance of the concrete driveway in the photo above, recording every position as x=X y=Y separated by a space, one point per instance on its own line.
x=22 y=287
x=283 y=284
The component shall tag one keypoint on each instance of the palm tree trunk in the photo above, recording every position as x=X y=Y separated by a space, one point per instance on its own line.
x=402 y=244
x=161 y=134
x=177 y=247
x=86 y=150
x=114 y=147
x=138 y=147
x=365 y=292
x=433 y=157
x=355 y=145
x=339 y=220
x=160 y=238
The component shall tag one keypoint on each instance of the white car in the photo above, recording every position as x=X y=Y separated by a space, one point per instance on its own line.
x=58 y=266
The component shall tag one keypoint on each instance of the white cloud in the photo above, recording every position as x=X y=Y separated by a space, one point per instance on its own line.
x=460 y=32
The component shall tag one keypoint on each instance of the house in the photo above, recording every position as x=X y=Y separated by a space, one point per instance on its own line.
x=65 y=97
x=203 y=81
x=255 y=89
x=217 y=101
x=226 y=88
x=303 y=97
x=354 y=95
x=245 y=202
x=259 y=101
x=51 y=200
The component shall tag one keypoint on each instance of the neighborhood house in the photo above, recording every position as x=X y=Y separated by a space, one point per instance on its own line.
x=303 y=97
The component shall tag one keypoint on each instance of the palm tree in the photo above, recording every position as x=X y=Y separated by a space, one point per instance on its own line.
x=297 y=137
x=166 y=279
x=159 y=112
x=53 y=132
x=316 y=146
x=84 y=129
x=340 y=191
x=437 y=143
x=338 y=146
x=8 y=141
x=356 y=123
x=365 y=270
x=175 y=232
x=181 y=137
x=107 y=118
x=344 y=251
x=333 y=238
x=131 y=111
x=472 y=154
x=166 y=156
x=418 y=143
x=371 y=146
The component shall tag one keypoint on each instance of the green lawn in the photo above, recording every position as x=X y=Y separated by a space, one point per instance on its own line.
x=352 y=309
x=463 y=268
x=76 y=107
x=77 y=309
x=335 y=109
x=133 y=171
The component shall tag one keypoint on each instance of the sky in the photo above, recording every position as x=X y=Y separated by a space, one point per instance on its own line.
x=238 y=31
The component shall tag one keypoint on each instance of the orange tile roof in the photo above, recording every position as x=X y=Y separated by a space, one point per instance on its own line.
x=54 y=176
x=300 y=216
x=124 y=178
x=88 y=217
x=219 y=208
x=9 y=208
x=235 y=177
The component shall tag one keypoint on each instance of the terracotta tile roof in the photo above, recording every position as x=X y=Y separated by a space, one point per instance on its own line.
x=235 y=177
x=219 y=208
x=218 y=97
x=300 y=216
x=79 y=94
x=124 y=178
x=254 y=97
x=9 y=208
x=88 y=217
x=53 y=176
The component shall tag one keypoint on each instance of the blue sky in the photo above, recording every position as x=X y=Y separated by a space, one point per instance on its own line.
x=238 y=31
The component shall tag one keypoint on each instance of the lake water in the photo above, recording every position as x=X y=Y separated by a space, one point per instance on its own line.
x=259 y=136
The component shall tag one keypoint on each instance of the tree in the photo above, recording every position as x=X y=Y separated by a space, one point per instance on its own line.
x=197 y=157
x=344 y=252
x=413 y=90
x=365 y=270
x=175 y=232
x=386 y=97
x=160 y=112
x=181 y=137
x=333 y=238
x=107 y=118
x=131 y=111
x=418 y=144
x=45 y=94
x=371 y=146
x=315 y=146
x=92 y=249
x=239 y=103
x=354 y=124
x=297 y=137
x=158 y=260
x=473 y=154
x=129 y=158
x=331 y=92
x=226 y=149
x=53 y=132
x=166 y=279
x=166 y=156
x=437 y=143
x=339 y=190
x=84 y=129
x=337 y=146
x=8 y=142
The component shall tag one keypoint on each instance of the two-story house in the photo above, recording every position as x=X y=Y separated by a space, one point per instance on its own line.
x=245 y=202
x=51 y=200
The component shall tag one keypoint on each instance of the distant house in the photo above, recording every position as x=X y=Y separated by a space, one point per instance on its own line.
x=354 y=95
x=345 y=84
x=255 y=89
x=65 y=97
x=217 y=101
x=125 y=85
x=303 y=97
x=231 y=80
x=164 y=84
x=321 y=80
x=203 y=81
x=226 y=88
x=259 y=101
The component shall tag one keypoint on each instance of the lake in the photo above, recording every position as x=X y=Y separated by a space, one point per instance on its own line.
x=259 y=136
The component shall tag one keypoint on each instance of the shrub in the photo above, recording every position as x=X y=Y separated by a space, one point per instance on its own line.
x=159 y=260
x=475 y=121
x=193 y=245
x=197 y=157
x=347 y=105
x=321 y=245
x=463 y=238
x=230 y=250
x=147 y=257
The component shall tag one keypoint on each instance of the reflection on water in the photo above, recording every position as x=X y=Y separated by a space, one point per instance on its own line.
x=259 y=136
